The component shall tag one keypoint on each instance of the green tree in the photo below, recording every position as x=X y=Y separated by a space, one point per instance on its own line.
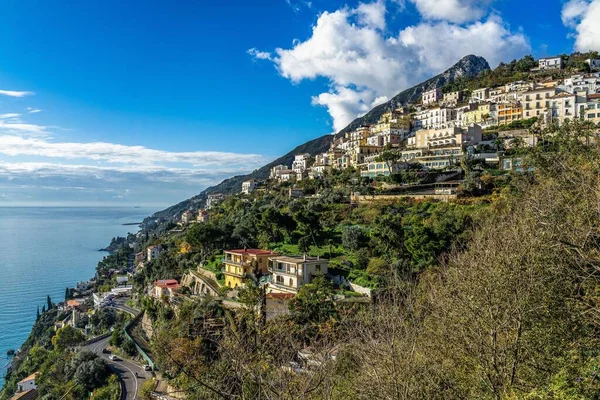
x=314 y=303
x=67 y=337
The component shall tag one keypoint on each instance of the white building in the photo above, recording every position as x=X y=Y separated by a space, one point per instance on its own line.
x=186 y=217
x=562 y=107
x=27 y=383
x=431 y=96
x=435 y=118
x=153 y=252
x=276 y=171
x=213 y=199
x=301 y=163
x=480 y=95
x=290 y=273
x=248 y=186
x=550 y=63
x=85 y=285
x=122 y=279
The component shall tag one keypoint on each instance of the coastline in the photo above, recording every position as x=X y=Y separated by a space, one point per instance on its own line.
x=83 y=271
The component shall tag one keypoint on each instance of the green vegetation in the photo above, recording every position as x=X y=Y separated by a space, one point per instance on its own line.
x=488 y=299
x=63 y=374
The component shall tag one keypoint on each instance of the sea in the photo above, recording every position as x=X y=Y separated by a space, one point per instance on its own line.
x=44 y=250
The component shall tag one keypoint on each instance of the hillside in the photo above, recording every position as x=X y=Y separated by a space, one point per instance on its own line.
x=468 y=67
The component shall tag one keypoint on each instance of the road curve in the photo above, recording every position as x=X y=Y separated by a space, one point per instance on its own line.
x=125 y=370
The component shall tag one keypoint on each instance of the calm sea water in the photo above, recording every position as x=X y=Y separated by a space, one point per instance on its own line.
x=44 y=250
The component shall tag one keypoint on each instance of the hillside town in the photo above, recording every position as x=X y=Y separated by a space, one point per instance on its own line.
x=287 y=261
x=446 y=127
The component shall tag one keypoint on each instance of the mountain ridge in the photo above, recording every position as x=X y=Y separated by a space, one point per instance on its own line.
x=468 y=66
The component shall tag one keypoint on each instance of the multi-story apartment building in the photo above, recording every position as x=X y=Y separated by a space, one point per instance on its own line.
x=435 y=118
x=214 y=199
x=590 y=109
x=431 y=96
x=290 y=273
x=248 y=186
x=479 y=113
x=589 y=83
x=358 y=154
x=453 y=98
x=562 y=107
x=276 y=171
x=550 y=63
x=374 y=168
x=448 y=137
x=509 y=112
x=537 y=101
x=394 y=121
x=152 y=252
x=186 y=217
x=301 y=163
x=244 y=263
x=480 y=95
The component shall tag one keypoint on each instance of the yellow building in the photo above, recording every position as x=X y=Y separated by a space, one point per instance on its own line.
x=244 y=263
x=478 y=114
x=392 y=121
x=537 y=101
x=509 y=112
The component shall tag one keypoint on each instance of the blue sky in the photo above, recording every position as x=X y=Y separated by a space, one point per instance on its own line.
x=106 y=102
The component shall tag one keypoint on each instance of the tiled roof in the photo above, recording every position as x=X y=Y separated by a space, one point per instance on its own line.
x=30 y=377
x=167 y=283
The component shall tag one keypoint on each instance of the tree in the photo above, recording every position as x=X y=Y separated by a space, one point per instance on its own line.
x=67 y=337
x=116 y=338
x=37 y=315
x=353 y=237
x=390 y=157
x=49 y=303
x=314 y=302
x=92 y=374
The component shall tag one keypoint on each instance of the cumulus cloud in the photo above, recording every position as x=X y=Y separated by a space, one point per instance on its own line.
x=458 y=11
x=583 y=16
x=15 y=93
x=12 y=145
x=364 y=64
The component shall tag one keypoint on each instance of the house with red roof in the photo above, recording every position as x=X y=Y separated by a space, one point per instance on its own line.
x=164 y=288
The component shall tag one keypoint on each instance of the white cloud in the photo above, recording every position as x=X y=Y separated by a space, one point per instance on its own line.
x=363 y=63
x=260 y=55
x=372 y=14
x=9 y=116
x=458 y=11
x=31 y=110
x=15 y=93
x=12 y=145
x=583 y=16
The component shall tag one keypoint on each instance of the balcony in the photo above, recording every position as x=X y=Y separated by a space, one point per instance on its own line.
x=284 y=271
x=238 y=263
x=226 y=272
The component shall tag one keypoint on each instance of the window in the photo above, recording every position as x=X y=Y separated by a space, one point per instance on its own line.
x=591 y=116
x=279 y=279
x=291 y=282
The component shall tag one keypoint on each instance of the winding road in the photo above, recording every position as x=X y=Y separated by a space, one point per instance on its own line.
x=124 y=369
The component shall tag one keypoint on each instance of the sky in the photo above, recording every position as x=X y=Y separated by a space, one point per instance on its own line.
x=149 y=102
